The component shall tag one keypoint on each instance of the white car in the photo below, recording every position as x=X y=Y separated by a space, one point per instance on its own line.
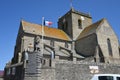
x=106 y=77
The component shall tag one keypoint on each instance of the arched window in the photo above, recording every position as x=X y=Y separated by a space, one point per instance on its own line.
x=79 y=23
x=65 y=25
x=109 y=47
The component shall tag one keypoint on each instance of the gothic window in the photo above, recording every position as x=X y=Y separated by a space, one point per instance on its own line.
x=62 y=26
x=109 y=47
x=79 y=24
x=65 y=25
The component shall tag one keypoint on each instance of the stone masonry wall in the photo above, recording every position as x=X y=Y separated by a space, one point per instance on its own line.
x=70 y=70
x=82 y=71
x=76 y=30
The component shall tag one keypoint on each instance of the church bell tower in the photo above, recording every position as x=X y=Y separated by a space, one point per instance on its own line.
x=74 y=22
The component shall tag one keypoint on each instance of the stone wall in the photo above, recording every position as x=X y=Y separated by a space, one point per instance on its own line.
x=64 y=70
x=84 y=23
x=104 y=34
x=68 y=70
x=82 y=71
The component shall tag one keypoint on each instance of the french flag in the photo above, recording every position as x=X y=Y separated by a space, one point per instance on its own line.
x=47 y=23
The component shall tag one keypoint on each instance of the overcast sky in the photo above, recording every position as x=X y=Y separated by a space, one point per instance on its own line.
x=12 y=11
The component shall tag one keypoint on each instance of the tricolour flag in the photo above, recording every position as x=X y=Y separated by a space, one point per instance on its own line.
x=47 y=23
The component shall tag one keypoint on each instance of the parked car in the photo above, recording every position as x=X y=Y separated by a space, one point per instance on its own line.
x=106 y=77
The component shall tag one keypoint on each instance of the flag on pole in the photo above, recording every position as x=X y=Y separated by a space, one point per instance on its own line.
x=47 y=23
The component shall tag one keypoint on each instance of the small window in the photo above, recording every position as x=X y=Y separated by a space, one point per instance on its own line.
x=109 y=47
x=65 y=26
x=79 y=24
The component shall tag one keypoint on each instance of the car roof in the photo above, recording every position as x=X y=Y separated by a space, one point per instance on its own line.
x=107 y=75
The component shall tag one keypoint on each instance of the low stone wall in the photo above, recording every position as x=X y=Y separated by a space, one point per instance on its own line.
x=47 y=74
x=71 y=70
x=83 y=71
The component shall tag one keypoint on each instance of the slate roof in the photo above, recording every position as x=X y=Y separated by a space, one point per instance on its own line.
x=48 y=31
x=90 y=29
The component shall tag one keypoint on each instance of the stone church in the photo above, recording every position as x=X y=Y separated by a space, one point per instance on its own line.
x=66 y=53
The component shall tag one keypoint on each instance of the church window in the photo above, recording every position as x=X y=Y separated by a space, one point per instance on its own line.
x=62 y=26
x=79 y=24
x=65 y=26
x=109 y=47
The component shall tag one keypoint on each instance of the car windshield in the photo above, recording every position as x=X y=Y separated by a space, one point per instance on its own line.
x=118 y=78
x=105 y=78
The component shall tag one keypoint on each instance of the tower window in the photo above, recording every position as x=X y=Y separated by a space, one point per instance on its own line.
x=79 y=24
x=65 y=25
x=109 y=47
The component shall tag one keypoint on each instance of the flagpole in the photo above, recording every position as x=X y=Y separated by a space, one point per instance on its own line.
x=42 y=50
